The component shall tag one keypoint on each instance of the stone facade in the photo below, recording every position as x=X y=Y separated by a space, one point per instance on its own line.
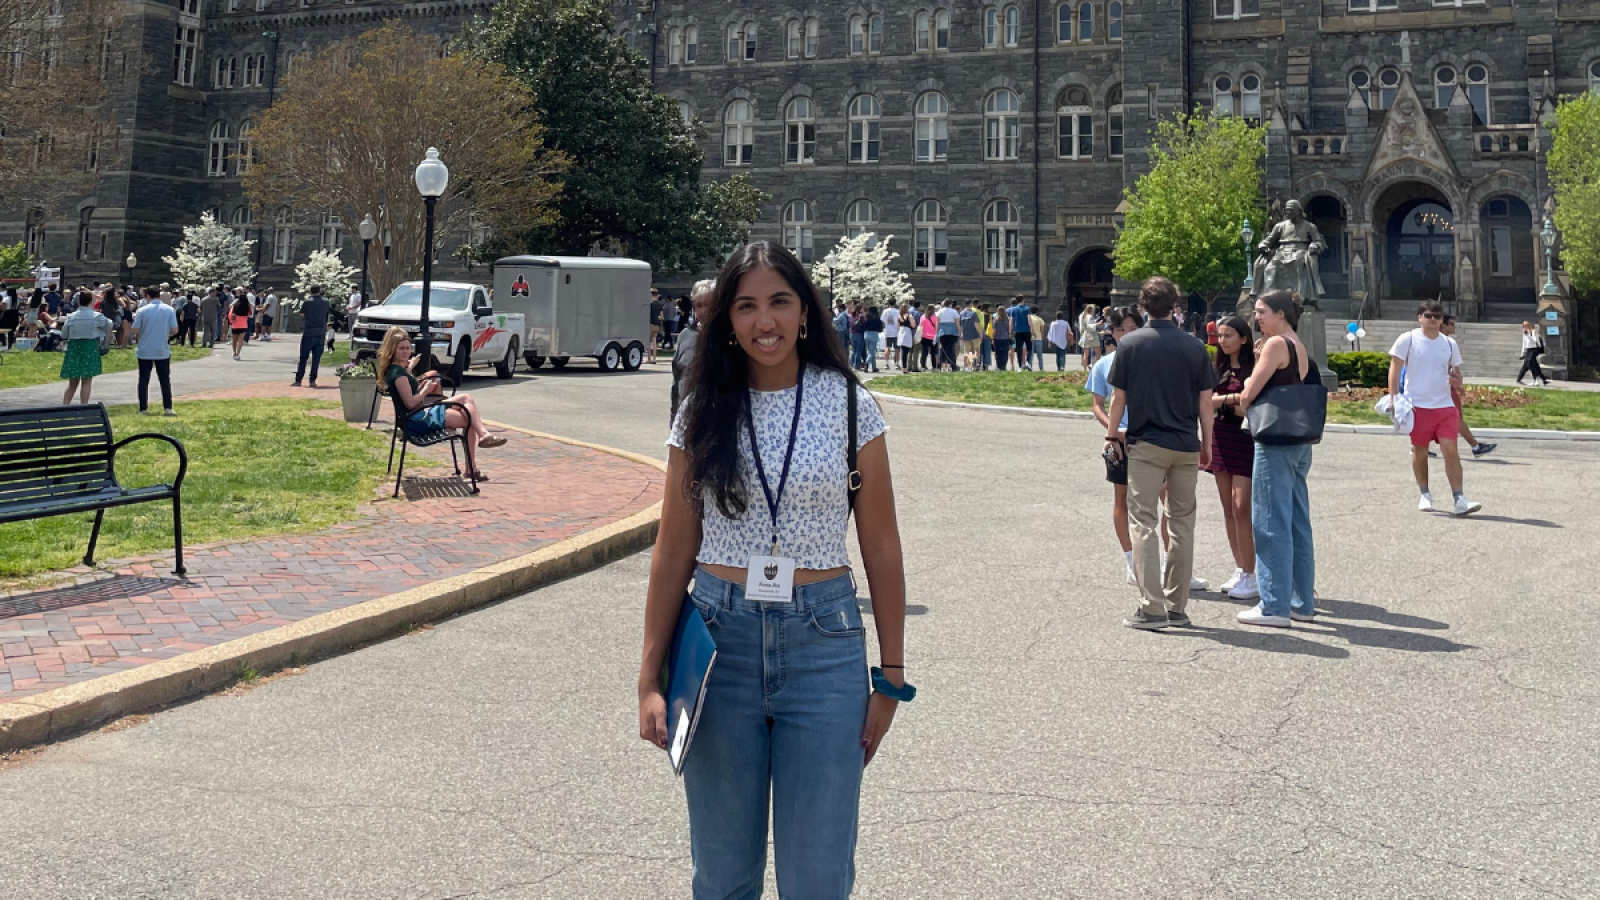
x=1420 y=188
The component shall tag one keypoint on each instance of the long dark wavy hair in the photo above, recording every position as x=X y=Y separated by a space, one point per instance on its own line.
x=719 y=378
x=1247 y=350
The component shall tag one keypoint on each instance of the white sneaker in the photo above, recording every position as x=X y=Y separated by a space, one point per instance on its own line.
x=1426 y=503
x=1196 y=583
x=1254 y=616
x=1232 y=580
x=1465 y=506
x=1247 y=588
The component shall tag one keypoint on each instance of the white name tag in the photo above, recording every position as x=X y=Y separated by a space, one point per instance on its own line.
x=769 y=579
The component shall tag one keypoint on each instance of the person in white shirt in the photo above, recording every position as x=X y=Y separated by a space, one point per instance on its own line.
x=269 y=313
x=1431 y=361
x=891 y=331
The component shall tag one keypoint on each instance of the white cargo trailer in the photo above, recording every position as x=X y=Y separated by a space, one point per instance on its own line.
x=578 y=306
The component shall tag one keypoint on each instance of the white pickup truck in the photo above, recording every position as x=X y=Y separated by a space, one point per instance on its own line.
x=465 y=328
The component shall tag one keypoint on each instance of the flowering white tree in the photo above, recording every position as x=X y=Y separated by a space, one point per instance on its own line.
x=211 y=254
x=860 y=272
x=326 y=269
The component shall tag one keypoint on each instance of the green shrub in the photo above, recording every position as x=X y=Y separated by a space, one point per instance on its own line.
x=1365 y=369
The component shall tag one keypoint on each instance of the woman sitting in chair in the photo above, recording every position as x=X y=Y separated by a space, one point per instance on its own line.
x=426 y=409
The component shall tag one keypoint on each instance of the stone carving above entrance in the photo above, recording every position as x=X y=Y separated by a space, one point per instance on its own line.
x=1408 y=135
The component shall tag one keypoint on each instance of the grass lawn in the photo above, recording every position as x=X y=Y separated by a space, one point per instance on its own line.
x=1487 y=407
x=256 y=467
x=26 y=367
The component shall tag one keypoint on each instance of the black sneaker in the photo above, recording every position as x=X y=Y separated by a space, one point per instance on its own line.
x=1178 y=620
x=1145 y=623
x=1484 y=448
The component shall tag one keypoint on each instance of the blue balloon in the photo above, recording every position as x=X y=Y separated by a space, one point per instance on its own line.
x=1352 y=327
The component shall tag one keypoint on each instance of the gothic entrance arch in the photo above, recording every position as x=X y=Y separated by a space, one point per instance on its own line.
x=1416 y=226
x=1089 y=280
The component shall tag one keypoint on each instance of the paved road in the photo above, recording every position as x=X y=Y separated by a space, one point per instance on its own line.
x=1433 y=737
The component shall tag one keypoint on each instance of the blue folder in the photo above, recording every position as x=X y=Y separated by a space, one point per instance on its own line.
x=689 y=665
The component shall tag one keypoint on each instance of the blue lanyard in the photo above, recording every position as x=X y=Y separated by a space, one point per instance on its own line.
x=788 y=455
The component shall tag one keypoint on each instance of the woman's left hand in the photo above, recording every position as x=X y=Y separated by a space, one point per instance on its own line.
x=880 y=715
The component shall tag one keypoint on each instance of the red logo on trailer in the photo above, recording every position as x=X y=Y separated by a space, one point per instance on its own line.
x=519 y=288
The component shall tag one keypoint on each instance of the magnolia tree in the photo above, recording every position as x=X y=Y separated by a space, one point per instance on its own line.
x=327 y=270
x=857 y=270
x=211 y=254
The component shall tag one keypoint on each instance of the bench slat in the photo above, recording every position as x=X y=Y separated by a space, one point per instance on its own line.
x=85 y=503
x=8 y=430
x=42 y=493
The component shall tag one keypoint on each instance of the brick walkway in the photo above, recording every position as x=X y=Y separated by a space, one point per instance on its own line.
x=132 y=612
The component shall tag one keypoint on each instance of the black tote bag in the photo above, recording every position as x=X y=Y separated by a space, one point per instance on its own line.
x=1290 y=414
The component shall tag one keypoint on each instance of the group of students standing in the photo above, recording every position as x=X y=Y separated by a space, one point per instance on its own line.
x=951 y=338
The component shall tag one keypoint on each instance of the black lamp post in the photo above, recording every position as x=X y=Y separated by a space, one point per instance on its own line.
x=368 y=230
x=432 y=178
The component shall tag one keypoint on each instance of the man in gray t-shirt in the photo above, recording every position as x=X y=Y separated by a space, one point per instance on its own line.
x=1162 y=377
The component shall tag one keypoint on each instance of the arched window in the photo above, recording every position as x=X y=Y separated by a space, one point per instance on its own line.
x=241 y=220
x=691 y=45
x=738 y=134
x=933 y=127
x=1001 y=125
x=1114 y=122
x=250 y=71
x=219 y=71
x=860 y=218
x=924 y=31
x=1064 y=22
x=991 y=26
x=941 y=29
x=221 y=148
x=864 y=140
x=1594 y=75
x=675 y=47
x=1222 y=95
x=800 y=132
x=1013 y=25
x=1002 y=241
x=797 y=230
x=282 y=237
x=1114 y=20
x=685 y=112
x=247 y=147
x=1444 y=86
x=289 y=61
x=875 y=34
x=791 y=47
x=1074 y=125
x=1477 y=88
x=858 y=35
x=1388 y=86
x=1085 y=23
x=1361 y=86
x=933 y=239
x=813 y=38
x=742 y=42
x=1250 y=96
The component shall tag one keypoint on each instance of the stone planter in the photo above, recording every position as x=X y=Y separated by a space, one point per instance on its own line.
x=356 y=394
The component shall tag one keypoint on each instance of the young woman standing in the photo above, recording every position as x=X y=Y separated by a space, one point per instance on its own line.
x=1280 y=501
x=758 y=476
x=83 y=330
x=239 y=313
x=928 y=331
x=1233 y=452
x=904 y=337
x=1088 y=338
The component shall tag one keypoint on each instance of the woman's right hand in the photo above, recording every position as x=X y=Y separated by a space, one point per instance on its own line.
x=653 y=717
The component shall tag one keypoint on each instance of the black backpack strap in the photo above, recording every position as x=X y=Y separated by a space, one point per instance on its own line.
x=854 y=486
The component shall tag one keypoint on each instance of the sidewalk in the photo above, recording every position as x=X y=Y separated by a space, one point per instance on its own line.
x=133 y=612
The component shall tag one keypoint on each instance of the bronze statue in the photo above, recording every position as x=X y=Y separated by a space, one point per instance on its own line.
x=1288 y=258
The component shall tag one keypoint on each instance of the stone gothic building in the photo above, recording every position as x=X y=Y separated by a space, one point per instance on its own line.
x=993 y=142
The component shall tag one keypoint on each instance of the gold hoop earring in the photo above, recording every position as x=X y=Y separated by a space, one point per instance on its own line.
x=802 y=331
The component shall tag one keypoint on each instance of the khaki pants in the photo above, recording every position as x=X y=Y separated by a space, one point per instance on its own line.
x=1149 y=469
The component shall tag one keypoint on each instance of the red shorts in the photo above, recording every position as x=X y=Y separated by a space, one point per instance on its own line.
x=1435 y=426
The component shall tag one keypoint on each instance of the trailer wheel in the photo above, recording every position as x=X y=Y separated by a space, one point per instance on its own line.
x=560 y=362
x=611 y=357
x=534 y=360
x=507 y=367
x=634 y=357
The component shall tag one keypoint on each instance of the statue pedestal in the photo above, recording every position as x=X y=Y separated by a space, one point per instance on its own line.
x=1313 y=333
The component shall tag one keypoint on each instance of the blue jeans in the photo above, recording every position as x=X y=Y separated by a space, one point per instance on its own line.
x=310 y=349
x=783 y=714
x=858 y=349
x=1002 y=352
x=1280 y=512
x=870 y=350
x=985 y=353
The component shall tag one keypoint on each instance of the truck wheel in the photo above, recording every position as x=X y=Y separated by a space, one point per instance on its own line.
x=463 y=360
x=634 y=357
x=534 y=360
x=505 y=368
x=611 y=358
x=560 y=362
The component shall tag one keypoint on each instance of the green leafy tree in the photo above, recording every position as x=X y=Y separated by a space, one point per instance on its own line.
x=1184 y=216
x=634 y=182
x=1574 y=163
x=14 y=261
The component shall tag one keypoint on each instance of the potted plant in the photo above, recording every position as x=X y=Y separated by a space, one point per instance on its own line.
x=358 y=385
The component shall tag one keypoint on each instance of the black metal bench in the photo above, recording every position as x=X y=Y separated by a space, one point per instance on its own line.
x=59 y=460
x=442 y=435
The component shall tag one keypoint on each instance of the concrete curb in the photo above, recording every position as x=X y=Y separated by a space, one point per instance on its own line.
x=1505 y=434
x=69 y=710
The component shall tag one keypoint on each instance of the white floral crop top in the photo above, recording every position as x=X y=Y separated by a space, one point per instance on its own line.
x=816 y=509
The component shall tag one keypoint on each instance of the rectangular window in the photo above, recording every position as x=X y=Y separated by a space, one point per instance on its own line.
x=186 y=45
x=802 y=143
x=691 y=47
x=813 y=38
x=875 y=35
x=1114 y=134
x=282 y=239
x=933 y=249
x=1064 y=23
x=864 y=142
x=1500 y=251
x=933 y=140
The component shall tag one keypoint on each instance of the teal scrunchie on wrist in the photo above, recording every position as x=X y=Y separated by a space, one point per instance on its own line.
x=904 y=694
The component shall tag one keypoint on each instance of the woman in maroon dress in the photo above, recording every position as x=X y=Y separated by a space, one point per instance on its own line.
x=1233 y=452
